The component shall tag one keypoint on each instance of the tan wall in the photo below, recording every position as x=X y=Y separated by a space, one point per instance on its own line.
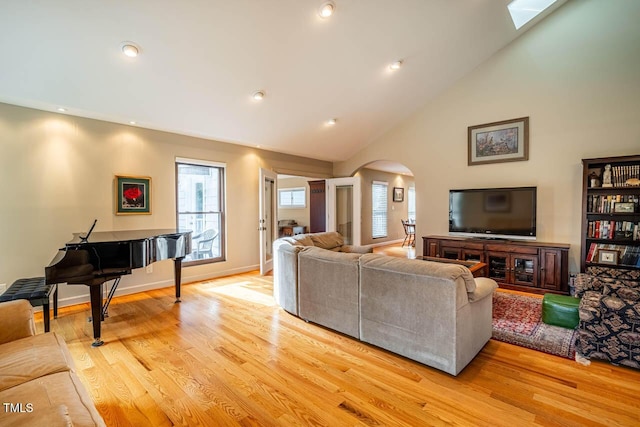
x=57 y=176
x=301 y=215
x=575 y=75
x=396 y=211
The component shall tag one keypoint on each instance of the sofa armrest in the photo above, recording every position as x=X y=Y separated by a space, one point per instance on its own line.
x=16 y=320
x=484 y=288
x=368 y=249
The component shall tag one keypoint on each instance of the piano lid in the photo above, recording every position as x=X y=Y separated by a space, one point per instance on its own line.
x=124 y=235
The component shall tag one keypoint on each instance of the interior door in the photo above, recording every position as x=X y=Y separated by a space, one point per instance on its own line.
x=344 y=201
x=267 y=226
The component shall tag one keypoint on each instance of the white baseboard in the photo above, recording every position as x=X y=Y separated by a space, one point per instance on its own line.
x=206 y=276
x=186 y=279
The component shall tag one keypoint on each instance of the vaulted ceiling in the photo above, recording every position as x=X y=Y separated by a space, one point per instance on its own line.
x=200 y=62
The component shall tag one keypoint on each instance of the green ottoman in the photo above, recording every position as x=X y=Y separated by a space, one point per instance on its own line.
x=560 y=310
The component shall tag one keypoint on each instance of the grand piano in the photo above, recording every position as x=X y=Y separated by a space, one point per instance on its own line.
x=96 y=258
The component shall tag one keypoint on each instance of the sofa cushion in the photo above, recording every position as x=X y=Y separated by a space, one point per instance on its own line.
x=299 y=240
x=52 y=416
x=328 y=240
x=357 y=249
x=439 y=270
x=328 y=289
x=586 y=282
x=620 y=290
x=33 y=357
x=422 y=310
x=16 y=318
x=52 y=391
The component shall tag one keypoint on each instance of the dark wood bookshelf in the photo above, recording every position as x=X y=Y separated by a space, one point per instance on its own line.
x=620 y=227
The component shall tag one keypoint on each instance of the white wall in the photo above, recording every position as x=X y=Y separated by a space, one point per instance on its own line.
x=57 y=176
x=576 y=75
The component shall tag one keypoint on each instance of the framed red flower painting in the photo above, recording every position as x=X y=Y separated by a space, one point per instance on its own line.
x=133 y=195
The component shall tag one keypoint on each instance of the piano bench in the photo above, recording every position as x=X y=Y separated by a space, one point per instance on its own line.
x=37 y=292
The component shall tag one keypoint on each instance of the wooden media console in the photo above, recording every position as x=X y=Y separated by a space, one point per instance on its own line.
x=520 y=265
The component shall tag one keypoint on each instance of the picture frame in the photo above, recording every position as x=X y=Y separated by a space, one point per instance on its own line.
x=607 y=256
x=624 y=207
x=498 y=142
x=398 y=194
x=132 y=195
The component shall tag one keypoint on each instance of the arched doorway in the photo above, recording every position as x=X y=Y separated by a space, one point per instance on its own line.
x=388 y=198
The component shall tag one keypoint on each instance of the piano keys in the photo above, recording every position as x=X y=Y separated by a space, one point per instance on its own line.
x=108 y=255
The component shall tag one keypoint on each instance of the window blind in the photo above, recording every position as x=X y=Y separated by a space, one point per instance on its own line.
x=379 y=203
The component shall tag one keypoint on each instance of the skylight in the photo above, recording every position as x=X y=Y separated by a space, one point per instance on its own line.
x=523 y=11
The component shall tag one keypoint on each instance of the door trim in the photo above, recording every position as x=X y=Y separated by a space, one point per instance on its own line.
x=267 y=222
x=356 y=226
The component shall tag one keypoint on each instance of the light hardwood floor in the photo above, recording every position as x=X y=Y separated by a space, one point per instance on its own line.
x=228 y=355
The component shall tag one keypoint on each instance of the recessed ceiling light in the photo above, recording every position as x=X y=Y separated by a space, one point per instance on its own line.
x=523 y=11
x=331 y=122
x=130 y=49
x=395 y=65
x=327 y=9
x=258 y=95
x=132 y=122
x=62 y=110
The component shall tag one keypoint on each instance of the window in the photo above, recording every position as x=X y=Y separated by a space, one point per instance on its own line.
x=292 y=198
x=200 y=202
x=523 y=11
x=411 y=201
x=379 y=203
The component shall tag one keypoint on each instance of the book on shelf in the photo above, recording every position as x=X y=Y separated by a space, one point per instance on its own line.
x=628 y=256
x=605 y=229
x=607 y=203
x=620 y=174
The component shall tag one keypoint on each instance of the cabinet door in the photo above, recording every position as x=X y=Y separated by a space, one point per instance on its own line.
x=499 y=266
x=472 y=255
x=450 y=252
x=524 y=270
x=551 y=269
x=431 y=247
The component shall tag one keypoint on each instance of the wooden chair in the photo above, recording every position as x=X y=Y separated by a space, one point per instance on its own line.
x=409 y=233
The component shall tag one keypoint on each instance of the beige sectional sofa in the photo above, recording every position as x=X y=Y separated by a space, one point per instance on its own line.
x=435 y=313
x=38 y=383
x=285 y=262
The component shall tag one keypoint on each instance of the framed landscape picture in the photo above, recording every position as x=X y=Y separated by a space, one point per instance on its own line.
x=132 y=195
x=506 y=141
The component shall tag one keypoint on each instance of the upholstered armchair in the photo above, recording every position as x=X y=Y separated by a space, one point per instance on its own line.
x=609 y=326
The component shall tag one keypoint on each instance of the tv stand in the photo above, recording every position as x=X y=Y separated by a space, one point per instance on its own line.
x=528 y=266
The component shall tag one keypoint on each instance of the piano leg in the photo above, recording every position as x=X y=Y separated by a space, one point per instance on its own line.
x=55 y=301
x=96 y=313
x=177 y=273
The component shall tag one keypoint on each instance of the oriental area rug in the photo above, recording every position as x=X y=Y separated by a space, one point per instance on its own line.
x=517 y=319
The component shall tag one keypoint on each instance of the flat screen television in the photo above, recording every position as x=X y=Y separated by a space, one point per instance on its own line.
x=501 y=213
